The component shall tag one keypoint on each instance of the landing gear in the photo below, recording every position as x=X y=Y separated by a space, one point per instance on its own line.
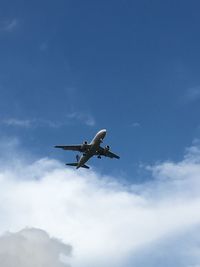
x=77 y=158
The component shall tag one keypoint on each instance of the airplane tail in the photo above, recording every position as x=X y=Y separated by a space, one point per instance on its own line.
x=75 y=164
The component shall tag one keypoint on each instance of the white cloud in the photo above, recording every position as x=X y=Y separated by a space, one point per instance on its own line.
x=179 y=249
x=32 y=247
x=106 y=222
x=9 y=25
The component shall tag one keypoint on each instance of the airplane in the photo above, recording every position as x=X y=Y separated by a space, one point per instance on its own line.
x=89 y=150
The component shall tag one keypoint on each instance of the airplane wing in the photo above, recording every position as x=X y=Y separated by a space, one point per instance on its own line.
x=80 y=148
x=107 y=153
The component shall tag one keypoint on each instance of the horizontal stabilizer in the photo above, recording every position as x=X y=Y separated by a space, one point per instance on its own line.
x=75 y=164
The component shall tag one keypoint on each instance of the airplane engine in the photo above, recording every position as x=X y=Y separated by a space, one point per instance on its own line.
x=84 y=145
x=107 y=148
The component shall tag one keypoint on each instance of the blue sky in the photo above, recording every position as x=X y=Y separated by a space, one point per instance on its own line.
x=70 y=68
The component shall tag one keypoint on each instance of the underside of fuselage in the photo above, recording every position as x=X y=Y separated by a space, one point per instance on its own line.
x=95 y=143
x=89 y=150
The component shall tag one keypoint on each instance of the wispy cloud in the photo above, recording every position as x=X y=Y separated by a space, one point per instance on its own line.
x=192 y=94
x=136 y=124
x=108 y=223
x=84 y=118
x=43 y=46
x=9 y=25
x=17 y=122
x=47 y=123
x=31 y=123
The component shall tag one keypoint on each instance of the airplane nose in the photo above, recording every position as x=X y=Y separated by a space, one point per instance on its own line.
x=103 y=133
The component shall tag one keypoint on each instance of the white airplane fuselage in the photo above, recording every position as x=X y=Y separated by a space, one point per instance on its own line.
x=95 y=143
